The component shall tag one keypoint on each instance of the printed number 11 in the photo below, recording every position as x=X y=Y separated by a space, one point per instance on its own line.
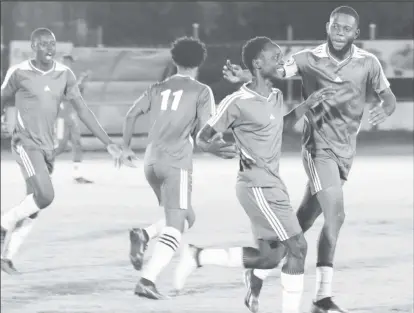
x=166 y=96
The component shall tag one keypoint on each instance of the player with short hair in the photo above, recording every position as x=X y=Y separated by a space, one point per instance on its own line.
x=255 y=114
x=38 y=86
x=68 y=127
x=329 y=134
x=178 y=107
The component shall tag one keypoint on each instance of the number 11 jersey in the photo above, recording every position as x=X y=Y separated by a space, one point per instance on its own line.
x=178 y=107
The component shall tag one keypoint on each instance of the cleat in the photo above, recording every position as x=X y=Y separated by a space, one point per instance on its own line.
x=147 y=289
x=139 y=243
x=189 y=261
x=8 y=267
x=326 y=305
x=254 y=286
x=82 y=180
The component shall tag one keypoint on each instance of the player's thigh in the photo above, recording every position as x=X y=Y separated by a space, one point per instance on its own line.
x=154 y=181
x=322 y=170
x=177 y=188
x=270 y=212
x=36 y=167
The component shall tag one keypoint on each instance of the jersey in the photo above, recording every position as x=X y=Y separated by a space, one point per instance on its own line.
x=257 y=125
x=37 y=96
x=178 y=107
x=335 y=123
x=66 y=108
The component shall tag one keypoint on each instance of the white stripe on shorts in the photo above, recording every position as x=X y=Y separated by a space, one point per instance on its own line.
x=27 y=164
x=312 y=170
x=269 y=214
x=183 y=189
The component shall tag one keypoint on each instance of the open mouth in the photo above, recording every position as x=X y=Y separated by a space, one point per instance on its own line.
x=49 y=56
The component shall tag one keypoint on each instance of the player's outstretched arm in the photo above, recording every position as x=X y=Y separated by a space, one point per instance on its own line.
x=8 y=87
x=380 y=112
x=312 y=101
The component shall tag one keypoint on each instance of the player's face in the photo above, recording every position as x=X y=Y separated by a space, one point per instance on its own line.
x=45 y=48
x=271 y=59
x=342 y=30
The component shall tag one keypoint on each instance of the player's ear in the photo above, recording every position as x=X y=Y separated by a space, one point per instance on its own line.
x=356 y=33
x=33 y=45
x=256 y=63
x=327 y=27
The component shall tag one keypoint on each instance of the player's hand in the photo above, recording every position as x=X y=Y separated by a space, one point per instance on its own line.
x=377 y=115
x=232 y=72
x=129 y=157
x=221 y=148
x=116 y=152
x=319 y=96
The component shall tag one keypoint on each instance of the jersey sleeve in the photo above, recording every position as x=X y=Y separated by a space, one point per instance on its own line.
x=10 y=84
x=227 y=113
x=206 y=107
x=295 y=64
x=143 y=103
x=377 y=78
x=72 y=88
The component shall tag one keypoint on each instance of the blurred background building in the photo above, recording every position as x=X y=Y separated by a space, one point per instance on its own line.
x=125 y=45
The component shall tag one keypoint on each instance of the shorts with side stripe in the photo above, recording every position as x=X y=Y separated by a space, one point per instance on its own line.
x=171 y=185
x=270 y=212
x=34 y=161
x=325 y=169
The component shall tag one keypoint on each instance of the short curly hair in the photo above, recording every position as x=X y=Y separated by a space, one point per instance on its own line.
x=188 y=52
x=252 y=49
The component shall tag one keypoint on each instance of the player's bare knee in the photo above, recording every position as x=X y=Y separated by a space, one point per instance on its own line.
x=176 y=218
x=297 y=246
x=191 y=217
x=44 y=196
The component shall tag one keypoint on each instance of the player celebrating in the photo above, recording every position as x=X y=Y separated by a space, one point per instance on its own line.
x=255 y=114
x=38 y=86
x=329 y=135
x=68 y=127
x=179 y=106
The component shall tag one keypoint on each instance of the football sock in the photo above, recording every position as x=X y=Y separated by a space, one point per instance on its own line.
x=25 y=209
x=154 y=230
x=232 y=257
x=262 y=274
x=324 y=275
x=292 y=292
x=164 y=250
x=17 y=237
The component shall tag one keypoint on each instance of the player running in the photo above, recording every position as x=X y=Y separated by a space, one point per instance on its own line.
x=329 y=135
x=255 y=114
x=68 y=127
x=38 y=86
x=179 y=106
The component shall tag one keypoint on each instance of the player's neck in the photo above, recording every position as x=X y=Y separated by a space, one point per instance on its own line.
x=187 y=72
x=339 y=55
x=262 y=86
x=42 y=66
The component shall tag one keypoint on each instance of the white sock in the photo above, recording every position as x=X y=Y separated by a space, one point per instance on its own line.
x=17 y=237
x=26 y=208
x=324 y=275
x=232 y=257
x=76 y=170
x=164 y=250
x=292 y=292
x=262 y=274
x=154 y=230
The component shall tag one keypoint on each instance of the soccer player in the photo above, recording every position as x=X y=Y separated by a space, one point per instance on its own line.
x=255 y=114
x=38 y=86
x=329 y=134
x=178 y=107
x=68 y=127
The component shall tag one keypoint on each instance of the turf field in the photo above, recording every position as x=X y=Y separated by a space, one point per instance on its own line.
x=76 y=259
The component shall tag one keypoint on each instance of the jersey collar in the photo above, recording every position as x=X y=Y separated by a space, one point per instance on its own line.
x=254 y=93
x=326 y=53
x=39 y=70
